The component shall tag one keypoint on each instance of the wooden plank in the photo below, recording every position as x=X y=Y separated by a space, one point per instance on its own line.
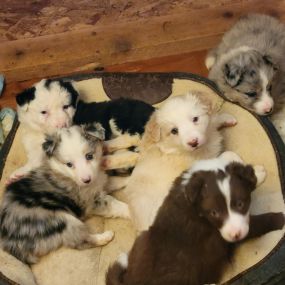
x=125 y=42
x=190 y=62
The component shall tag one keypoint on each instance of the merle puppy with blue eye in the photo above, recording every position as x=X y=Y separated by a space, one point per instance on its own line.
x=248 y=66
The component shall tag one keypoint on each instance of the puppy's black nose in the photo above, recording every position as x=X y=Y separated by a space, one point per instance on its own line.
x=87 y=181
x=193 y=143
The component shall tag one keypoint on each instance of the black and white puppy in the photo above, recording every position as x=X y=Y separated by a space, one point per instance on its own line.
x=45 y=209
x=52 y=104
x=190 y=241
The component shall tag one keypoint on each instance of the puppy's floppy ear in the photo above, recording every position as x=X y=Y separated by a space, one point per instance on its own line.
x=70 y=88
x=233 y=74
x=94 y=130
x=205 y=100
x=26 y=96
x=194 y=186
x=269 y=61
x=152 y=132
x=245 y=173
x=50 y=144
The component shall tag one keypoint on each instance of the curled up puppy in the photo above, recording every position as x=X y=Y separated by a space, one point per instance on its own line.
x=45 y=209
x=204 y=215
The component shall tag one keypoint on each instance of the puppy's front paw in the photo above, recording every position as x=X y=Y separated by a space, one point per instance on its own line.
x=16 y=175
x=103 y=238
x=231 y=156
x=227 y=120
x=260 y=173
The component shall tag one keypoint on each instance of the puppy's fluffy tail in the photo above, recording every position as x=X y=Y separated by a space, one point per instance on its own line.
x=115 y=274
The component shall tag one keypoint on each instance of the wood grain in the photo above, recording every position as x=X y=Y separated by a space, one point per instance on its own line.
x=106 y=45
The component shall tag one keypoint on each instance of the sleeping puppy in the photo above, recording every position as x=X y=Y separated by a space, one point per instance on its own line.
x=52 y=104
x=248 y=66
x=190 y=241
x=46 y=209
x=181 y=131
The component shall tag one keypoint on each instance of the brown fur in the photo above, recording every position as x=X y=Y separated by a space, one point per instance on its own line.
x=184 y=246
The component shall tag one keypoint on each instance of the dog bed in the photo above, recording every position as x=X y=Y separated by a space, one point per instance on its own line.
x=258 y=261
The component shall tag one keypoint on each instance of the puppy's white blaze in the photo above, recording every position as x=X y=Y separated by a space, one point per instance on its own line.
x=236 y=225
x=265 y=103
x=84 y=170
x=214 y=164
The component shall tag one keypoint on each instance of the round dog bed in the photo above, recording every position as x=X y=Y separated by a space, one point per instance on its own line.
x=258 y=261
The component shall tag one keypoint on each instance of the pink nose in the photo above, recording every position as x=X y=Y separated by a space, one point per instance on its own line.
x=86 y=180
x=267 y=110
x=236 y=235
x=193 y=143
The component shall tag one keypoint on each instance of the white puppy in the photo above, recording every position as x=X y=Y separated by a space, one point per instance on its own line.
x=42 y=109
x=181 y=131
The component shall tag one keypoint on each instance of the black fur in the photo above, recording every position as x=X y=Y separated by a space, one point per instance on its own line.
x=130 y=115
x=22 y=192
x=74 y=94
x=26 y=96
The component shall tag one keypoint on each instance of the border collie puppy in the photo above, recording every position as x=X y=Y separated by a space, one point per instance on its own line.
x=191 y=239
x=52 y=104
x=43 y=109
x=45 y=209
x=248 y=65
x=184 y=129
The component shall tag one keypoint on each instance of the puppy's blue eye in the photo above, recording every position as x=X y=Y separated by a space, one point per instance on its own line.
x=250 y=94
x=66 y=107
x=69 y=164
x=43 y=112
x=89 y=156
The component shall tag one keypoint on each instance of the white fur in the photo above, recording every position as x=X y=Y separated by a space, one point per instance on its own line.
x=35 y=124
x=265 y=103
x=236 y=225
x=163 y=161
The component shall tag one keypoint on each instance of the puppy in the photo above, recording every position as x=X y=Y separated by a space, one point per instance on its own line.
x=180 y=132
x=45 y=209
x=52 y=104
x=248 y=65
x=43 y=109
x=190 y=241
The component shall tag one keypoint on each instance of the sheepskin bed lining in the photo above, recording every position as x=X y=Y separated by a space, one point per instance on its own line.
x=255 y=262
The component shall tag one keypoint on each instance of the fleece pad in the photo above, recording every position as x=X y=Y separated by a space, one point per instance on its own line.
x=255 y=140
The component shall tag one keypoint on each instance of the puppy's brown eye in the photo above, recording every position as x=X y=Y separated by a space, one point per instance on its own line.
x=214 y=214
x=195 y=119
x=69 y=164
x=174 y=131
x=43 y=112
x=250 y=94
x=240 y=204
x=89 y=156
x=66 y=107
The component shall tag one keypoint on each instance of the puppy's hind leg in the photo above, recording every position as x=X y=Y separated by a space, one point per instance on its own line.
x=109 y=207
x=77 y=235
x=125 y=159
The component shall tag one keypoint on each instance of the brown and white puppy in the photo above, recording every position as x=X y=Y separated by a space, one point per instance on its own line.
x=181 y=131
x=190 y=241
x=45 y=209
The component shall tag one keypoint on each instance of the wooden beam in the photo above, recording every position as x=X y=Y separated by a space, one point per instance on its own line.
x=77 y=51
